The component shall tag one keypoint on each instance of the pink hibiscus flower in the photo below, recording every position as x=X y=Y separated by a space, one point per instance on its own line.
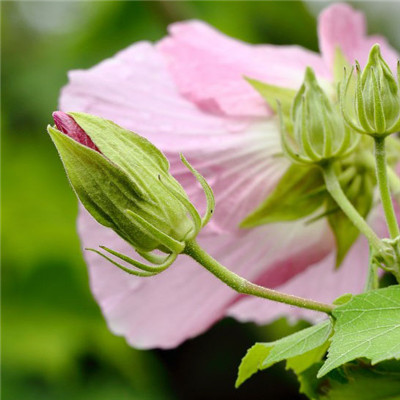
x=187 y=94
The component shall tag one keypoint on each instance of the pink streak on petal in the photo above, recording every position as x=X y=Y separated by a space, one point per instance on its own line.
x=342 y=26
x=148 y=311
x=320 y=282
x=66 y=124
x=209 y=68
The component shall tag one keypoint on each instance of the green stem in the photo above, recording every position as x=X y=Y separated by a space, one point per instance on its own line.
x=372 y=281
x=381 y=174
x=335 y=190
x=243 y=286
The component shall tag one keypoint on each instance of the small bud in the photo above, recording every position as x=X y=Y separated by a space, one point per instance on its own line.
x=66 y=124
x=371 y=103
x=319 y=133
x=124 y=182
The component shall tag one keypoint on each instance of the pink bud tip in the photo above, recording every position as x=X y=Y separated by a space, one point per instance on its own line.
x=66 y=124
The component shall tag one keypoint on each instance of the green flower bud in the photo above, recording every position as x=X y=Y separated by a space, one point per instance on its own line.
x=319 y=133
x=125 y=184
x=371 y=103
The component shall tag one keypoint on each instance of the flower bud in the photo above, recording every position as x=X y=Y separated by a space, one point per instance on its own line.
x=124 y=182
x=319 y=133
x=371 y=103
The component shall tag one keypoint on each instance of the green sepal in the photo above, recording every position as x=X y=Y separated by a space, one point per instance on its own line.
x=264 y=355
x=118 y=144
x=359 y=190
x=102 y=187
x=148 y=270
x=272 y=93
x=339 y=64
x=297 y=195
x=210 y=200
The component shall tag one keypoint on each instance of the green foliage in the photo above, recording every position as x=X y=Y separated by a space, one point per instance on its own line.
x=343 y=299
x=366 y=326
x=307 y=343
x=359 y=190
x=304 y=361
x=299 y=193
x=356 y=381
x=273 y=94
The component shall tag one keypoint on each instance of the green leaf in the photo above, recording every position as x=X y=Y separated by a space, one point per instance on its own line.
x=263 y=355
x=299 y=193
x=359 y=190
x=356 y=381
x=304 y=361
x=367 y=326
x=272 y=94
x=343 y=299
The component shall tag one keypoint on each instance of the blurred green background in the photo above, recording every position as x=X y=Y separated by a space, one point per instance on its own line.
x=55 y=343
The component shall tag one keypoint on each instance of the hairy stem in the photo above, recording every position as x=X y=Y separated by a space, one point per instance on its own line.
x=243 y=286
x=382 y=177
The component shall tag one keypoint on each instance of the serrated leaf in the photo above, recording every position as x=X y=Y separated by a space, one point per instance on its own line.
x=272 y=94
x=359 y=191
x=352 y=382
x=299 y=193
x=367 y=326
x=263 y=355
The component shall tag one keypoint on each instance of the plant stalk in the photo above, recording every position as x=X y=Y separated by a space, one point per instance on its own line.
x=243 y=286
x=336 y=191
x=382 y=177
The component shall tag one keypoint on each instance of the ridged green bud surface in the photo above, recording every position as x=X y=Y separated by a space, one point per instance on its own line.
x=126 y=184
x=371 y=103
x=319 y=133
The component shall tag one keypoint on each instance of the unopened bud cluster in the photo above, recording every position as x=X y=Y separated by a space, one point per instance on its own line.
x=371 y=103
x=319 y=132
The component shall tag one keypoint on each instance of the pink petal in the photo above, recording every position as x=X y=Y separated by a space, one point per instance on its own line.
x=209 y=68
x=236 y=156
x=134 y=89
x=182 y=302
x=342 y=26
